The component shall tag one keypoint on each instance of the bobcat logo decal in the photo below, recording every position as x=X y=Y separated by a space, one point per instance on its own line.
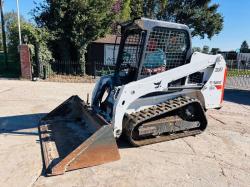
x=157 y=84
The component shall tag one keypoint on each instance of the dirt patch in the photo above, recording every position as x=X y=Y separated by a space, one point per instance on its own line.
x=71 y=78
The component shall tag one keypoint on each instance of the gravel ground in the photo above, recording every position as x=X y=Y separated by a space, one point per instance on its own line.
x=218 y=157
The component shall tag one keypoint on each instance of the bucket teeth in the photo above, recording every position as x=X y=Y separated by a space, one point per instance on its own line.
x=73 y=137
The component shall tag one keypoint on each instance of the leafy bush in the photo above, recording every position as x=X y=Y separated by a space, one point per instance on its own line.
x=33 y=34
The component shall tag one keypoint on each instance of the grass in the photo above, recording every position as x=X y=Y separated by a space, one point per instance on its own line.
x=234 y=73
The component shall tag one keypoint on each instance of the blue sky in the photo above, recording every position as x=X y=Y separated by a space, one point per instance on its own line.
x=236 y=22
x=236 y=25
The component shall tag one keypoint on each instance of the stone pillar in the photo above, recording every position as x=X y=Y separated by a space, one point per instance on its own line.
x=25 y=62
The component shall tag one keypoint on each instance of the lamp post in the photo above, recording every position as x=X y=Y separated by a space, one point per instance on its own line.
x=18 y=21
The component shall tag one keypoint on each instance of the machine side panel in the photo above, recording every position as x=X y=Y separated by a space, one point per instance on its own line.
x=213 y=90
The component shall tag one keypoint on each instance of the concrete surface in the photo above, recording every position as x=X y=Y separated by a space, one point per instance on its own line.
x=218 y=157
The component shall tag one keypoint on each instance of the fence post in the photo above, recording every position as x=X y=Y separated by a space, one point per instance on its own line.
x=38 y=64
x=94 y=69
x=44 y=72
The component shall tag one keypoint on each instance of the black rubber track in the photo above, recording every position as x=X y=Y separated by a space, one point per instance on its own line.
x=134 y=120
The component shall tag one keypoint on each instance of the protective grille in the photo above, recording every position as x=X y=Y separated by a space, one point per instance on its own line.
x=132 y=50
x=166 y=49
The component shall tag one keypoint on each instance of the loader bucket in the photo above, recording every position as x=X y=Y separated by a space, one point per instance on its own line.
x=73 y=137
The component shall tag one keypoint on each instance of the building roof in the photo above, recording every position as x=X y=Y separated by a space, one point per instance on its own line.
x=108 y=39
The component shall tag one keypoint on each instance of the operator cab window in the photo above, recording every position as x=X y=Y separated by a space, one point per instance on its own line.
x=131 y=55
x=166 y=49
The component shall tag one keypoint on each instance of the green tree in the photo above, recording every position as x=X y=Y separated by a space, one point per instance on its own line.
x=215 y=51
x=155 y=8
x=205 y=49
x=201 y=16
x=196 y=49
x=1 y=39
x=148 y=8
x=126 y=10
x=136 y=7
x=74 y=24
x=244 y=47
x=34 y=35
x=9 y=18
x=4 y=42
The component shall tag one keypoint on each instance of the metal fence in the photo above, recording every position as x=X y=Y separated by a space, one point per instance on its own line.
x=11 y=69
x=238 y=76
x=97 y=69
x=71 y=71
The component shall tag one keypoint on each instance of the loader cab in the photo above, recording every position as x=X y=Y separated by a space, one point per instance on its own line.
x=149 y=47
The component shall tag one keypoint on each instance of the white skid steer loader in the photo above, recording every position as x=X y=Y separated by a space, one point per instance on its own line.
x=159 y=91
